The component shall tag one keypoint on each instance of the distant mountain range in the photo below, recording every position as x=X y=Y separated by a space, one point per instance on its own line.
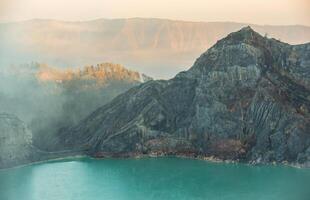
x=158 y=47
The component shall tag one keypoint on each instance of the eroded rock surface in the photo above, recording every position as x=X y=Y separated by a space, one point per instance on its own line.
x=15 y=142
x=246 y=98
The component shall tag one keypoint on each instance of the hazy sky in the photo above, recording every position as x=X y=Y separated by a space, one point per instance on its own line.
x=250 y=11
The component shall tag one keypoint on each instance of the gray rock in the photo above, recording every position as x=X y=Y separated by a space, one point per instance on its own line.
x=17 y=146
x=15 y=142
x=246 y=98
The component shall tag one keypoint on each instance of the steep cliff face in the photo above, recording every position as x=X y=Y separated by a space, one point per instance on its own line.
x=246 y=98
x=15 y=142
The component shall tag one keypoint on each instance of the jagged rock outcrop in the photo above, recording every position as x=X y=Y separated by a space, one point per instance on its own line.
x=17 y=146
x=15 y=142
x=102 y=73
x=246 y=98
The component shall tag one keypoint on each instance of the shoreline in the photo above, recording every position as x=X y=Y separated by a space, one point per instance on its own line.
x=45 y=161
x=211 y=159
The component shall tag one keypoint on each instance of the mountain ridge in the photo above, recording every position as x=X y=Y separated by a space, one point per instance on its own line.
x=151 y=46
x=148 y=18
x=244 y=99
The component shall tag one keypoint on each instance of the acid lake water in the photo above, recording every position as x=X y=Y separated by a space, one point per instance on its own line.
x=153 y=178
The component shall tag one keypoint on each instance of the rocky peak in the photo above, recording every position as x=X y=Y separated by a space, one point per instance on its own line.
x=249 y=36
x=244 y=35
x=243 y=48
x=244 y=99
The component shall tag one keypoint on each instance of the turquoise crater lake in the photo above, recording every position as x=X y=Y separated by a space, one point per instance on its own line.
x=153 y=178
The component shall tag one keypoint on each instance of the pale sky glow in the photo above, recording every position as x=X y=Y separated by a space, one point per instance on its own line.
x=274 y=12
